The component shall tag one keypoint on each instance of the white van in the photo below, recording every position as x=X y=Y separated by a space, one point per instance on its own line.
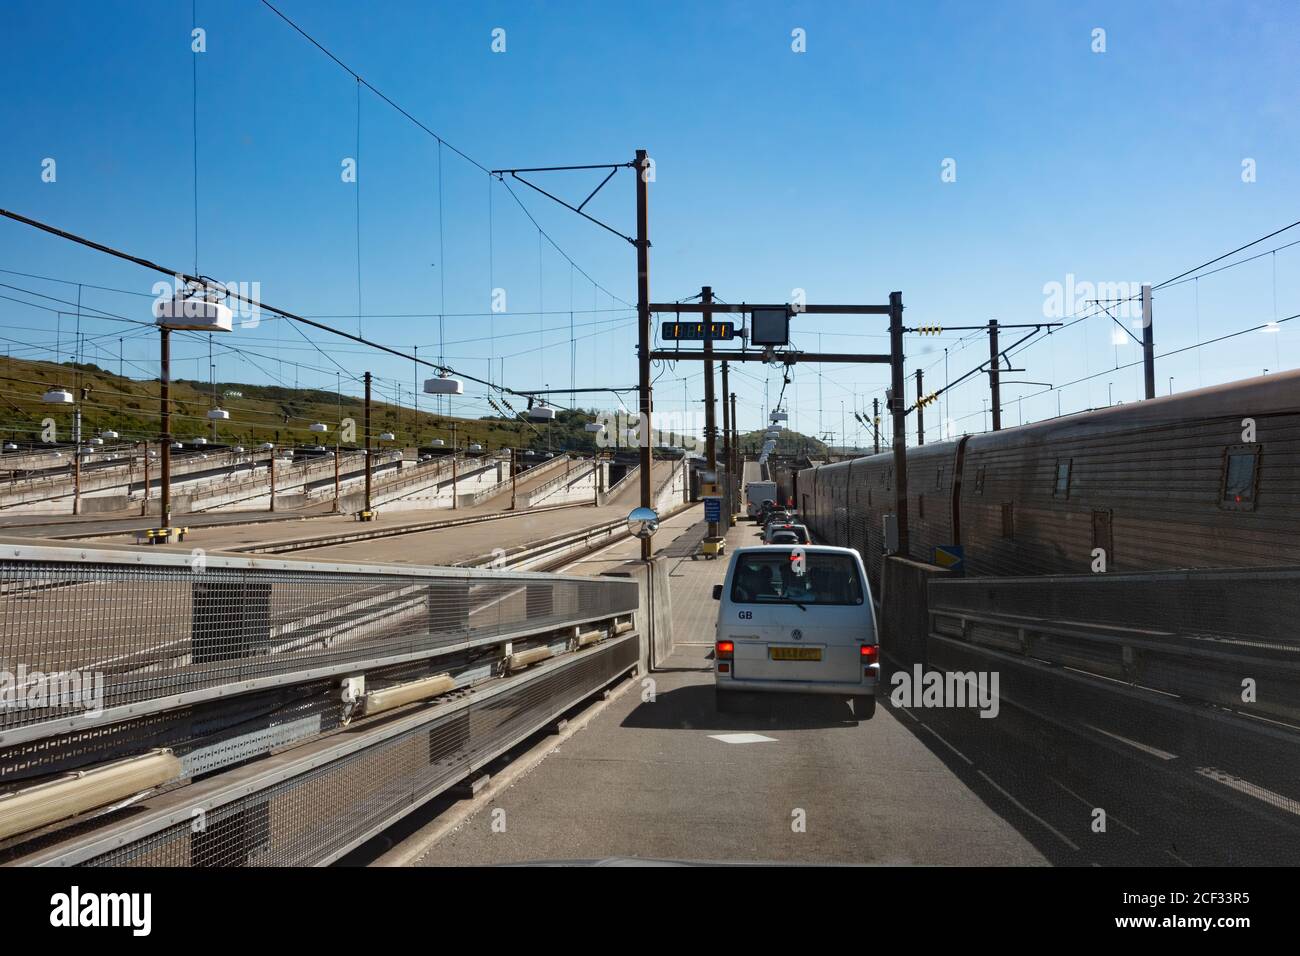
x=756 y=492
x=797 y=620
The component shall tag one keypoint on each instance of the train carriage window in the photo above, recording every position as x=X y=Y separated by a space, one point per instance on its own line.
x=1062 y=487
x=979 y=479
x=1008 y=519
x=938 y=477
x=1240 y=484
x=920 y=507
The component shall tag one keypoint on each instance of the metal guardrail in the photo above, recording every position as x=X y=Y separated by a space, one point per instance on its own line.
x=1205 y=636
x=1187 y=677
x=313 y=803
x=59 y=484
x=372 y=531
x=674 y=489
x=560 y=482
x=164 y=630
x=618 y=486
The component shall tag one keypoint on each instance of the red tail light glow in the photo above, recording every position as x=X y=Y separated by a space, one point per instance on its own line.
x=870 y=653
x=724 y=650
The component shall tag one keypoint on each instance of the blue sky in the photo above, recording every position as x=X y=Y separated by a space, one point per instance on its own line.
x=775 y=170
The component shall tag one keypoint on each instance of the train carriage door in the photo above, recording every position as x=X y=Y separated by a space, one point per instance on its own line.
x=958 y=465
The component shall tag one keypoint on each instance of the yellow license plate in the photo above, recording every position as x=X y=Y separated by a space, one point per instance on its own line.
x=794 y=653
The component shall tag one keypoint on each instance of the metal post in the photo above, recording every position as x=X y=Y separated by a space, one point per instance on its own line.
x=735 y=439
x=76 y=468
x=875 y=424
x=514 y=468
x=453 y=466
x=726 y=443
x=1148 y=344
x=368 y=456
x=270 y=470
x=337 y=451
x=995 y=383
x=165 y=421
x=710 y=430
x=900 y=417
x=643 y=328
x=920 y=411
x=144 y=504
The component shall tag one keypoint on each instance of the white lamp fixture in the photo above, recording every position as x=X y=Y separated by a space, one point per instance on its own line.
x=541 y=413
x=109 y=434
x=193 y=309
x=94 y=441
x=57 y=396
x=475 y=448
x=200 y=441
x=319 y=427
x=386 y=436
x=779 y=417
x=238 y=449
x=177 y=446
x=10 y=446
x=594 y=427
x=444 y=385
x=267 y=446
x=438 y=443
x=218 y=414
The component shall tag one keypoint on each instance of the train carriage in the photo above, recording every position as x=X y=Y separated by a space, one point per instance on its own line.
x=1209 y=478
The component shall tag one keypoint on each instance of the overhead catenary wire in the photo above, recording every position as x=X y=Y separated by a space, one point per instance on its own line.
x=231 y=293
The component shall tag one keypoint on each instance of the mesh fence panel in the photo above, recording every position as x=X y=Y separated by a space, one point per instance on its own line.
x=316 y=816
x=1196 y=634
x=76 y=634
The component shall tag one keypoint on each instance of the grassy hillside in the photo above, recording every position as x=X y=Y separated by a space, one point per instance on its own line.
x=790 y=443
x=258 y=413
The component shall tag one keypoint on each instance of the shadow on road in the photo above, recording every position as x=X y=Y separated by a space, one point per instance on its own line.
x=693 y=708
x=1081 y=802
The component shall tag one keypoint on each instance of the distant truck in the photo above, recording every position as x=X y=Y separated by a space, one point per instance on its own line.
x=756 y=492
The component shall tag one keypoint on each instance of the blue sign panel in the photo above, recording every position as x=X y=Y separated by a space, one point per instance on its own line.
x=713 y=509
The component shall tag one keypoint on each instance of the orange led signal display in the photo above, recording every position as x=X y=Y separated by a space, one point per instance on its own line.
x=694 y=331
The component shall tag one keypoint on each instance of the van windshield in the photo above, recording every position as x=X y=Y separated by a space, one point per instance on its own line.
x=796 y=577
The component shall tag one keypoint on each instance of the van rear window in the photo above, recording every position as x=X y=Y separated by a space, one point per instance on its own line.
x=796 y=577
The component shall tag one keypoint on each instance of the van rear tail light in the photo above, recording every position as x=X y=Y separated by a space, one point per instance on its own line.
x=724 y=650
x=870 y=653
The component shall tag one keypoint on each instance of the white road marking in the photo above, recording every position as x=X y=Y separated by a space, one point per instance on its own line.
x=742 y=738
x=1024 y=809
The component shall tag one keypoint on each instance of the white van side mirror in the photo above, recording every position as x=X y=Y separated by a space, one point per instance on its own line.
x=717 y=592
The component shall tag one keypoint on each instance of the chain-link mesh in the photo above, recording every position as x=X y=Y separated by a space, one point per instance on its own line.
x=1195 y=634
x=318 y=815
x=78 y=636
